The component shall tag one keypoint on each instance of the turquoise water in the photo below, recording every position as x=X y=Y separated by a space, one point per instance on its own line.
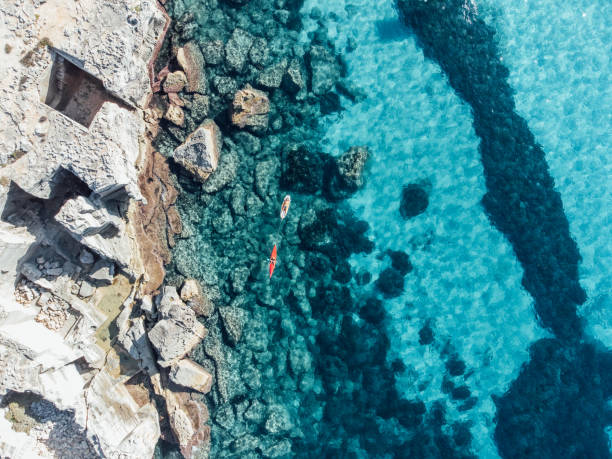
x=559 y=61
x=493 y=339
x=465 y=272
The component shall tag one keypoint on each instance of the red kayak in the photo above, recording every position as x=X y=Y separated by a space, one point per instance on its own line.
x=272 y=260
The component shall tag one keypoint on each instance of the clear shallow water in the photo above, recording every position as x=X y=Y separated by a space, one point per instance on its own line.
x=466 y=278
x=559 y=61
x=319 y=370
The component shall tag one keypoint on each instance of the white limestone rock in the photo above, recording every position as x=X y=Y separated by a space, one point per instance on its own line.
x=189 y=374
x=178 y=331
x=95 y=227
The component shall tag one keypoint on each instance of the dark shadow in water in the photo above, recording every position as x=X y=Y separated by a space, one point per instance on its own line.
x=388 y=30
x=556 y=407
x=521 y=200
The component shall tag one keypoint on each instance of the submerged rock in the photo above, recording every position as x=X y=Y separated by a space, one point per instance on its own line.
x=350 y=167
x=400 y=261
x=237 y=50
x=213 y=51
x=250 y=109
x=272 y=77
x=278 y=420
x=189 y=374
x=199 y=154
x=426 y=335
x=414 y=201
x=303 y=170
x=293 y=80
x=390 y=282
x=346 y=175
x=324 y=68
x=233 y=319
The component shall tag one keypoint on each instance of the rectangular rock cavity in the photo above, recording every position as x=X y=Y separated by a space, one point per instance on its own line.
x=70 y=90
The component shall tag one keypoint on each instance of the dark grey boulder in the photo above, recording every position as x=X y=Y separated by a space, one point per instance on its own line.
x=237 y=50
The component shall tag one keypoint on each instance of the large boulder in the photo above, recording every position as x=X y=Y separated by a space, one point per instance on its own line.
x=175 y=115
x=250 y=109
x=347 y=175
x=178 y=331
x=98 y=229
x=199 y=154
x=187 y=373
x=188 y=417
x=192 y=294
x=192 y=62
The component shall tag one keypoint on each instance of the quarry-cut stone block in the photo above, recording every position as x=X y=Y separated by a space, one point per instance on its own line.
x=189 y=374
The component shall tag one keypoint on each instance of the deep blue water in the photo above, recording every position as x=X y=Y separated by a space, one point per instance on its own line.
x=492 y=339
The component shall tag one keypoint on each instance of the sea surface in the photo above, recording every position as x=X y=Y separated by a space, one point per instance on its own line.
x=494 y=339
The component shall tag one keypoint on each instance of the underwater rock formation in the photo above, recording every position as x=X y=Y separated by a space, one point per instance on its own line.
x=414 y=201
x=250 y=109
x=556 y=405
x=520 y=191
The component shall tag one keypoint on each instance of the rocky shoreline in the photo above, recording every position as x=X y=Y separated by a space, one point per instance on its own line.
x=87 y=220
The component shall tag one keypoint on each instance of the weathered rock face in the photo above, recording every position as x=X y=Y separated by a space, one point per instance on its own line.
x=178 y=331
x=188 y=416
x=194 y=297
x=95 y=227
x=187 y=373
x=191 y=60
x=250 y=109
x=199 y=154
x=153 y=233
x=175 y=115
x=175 y=81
